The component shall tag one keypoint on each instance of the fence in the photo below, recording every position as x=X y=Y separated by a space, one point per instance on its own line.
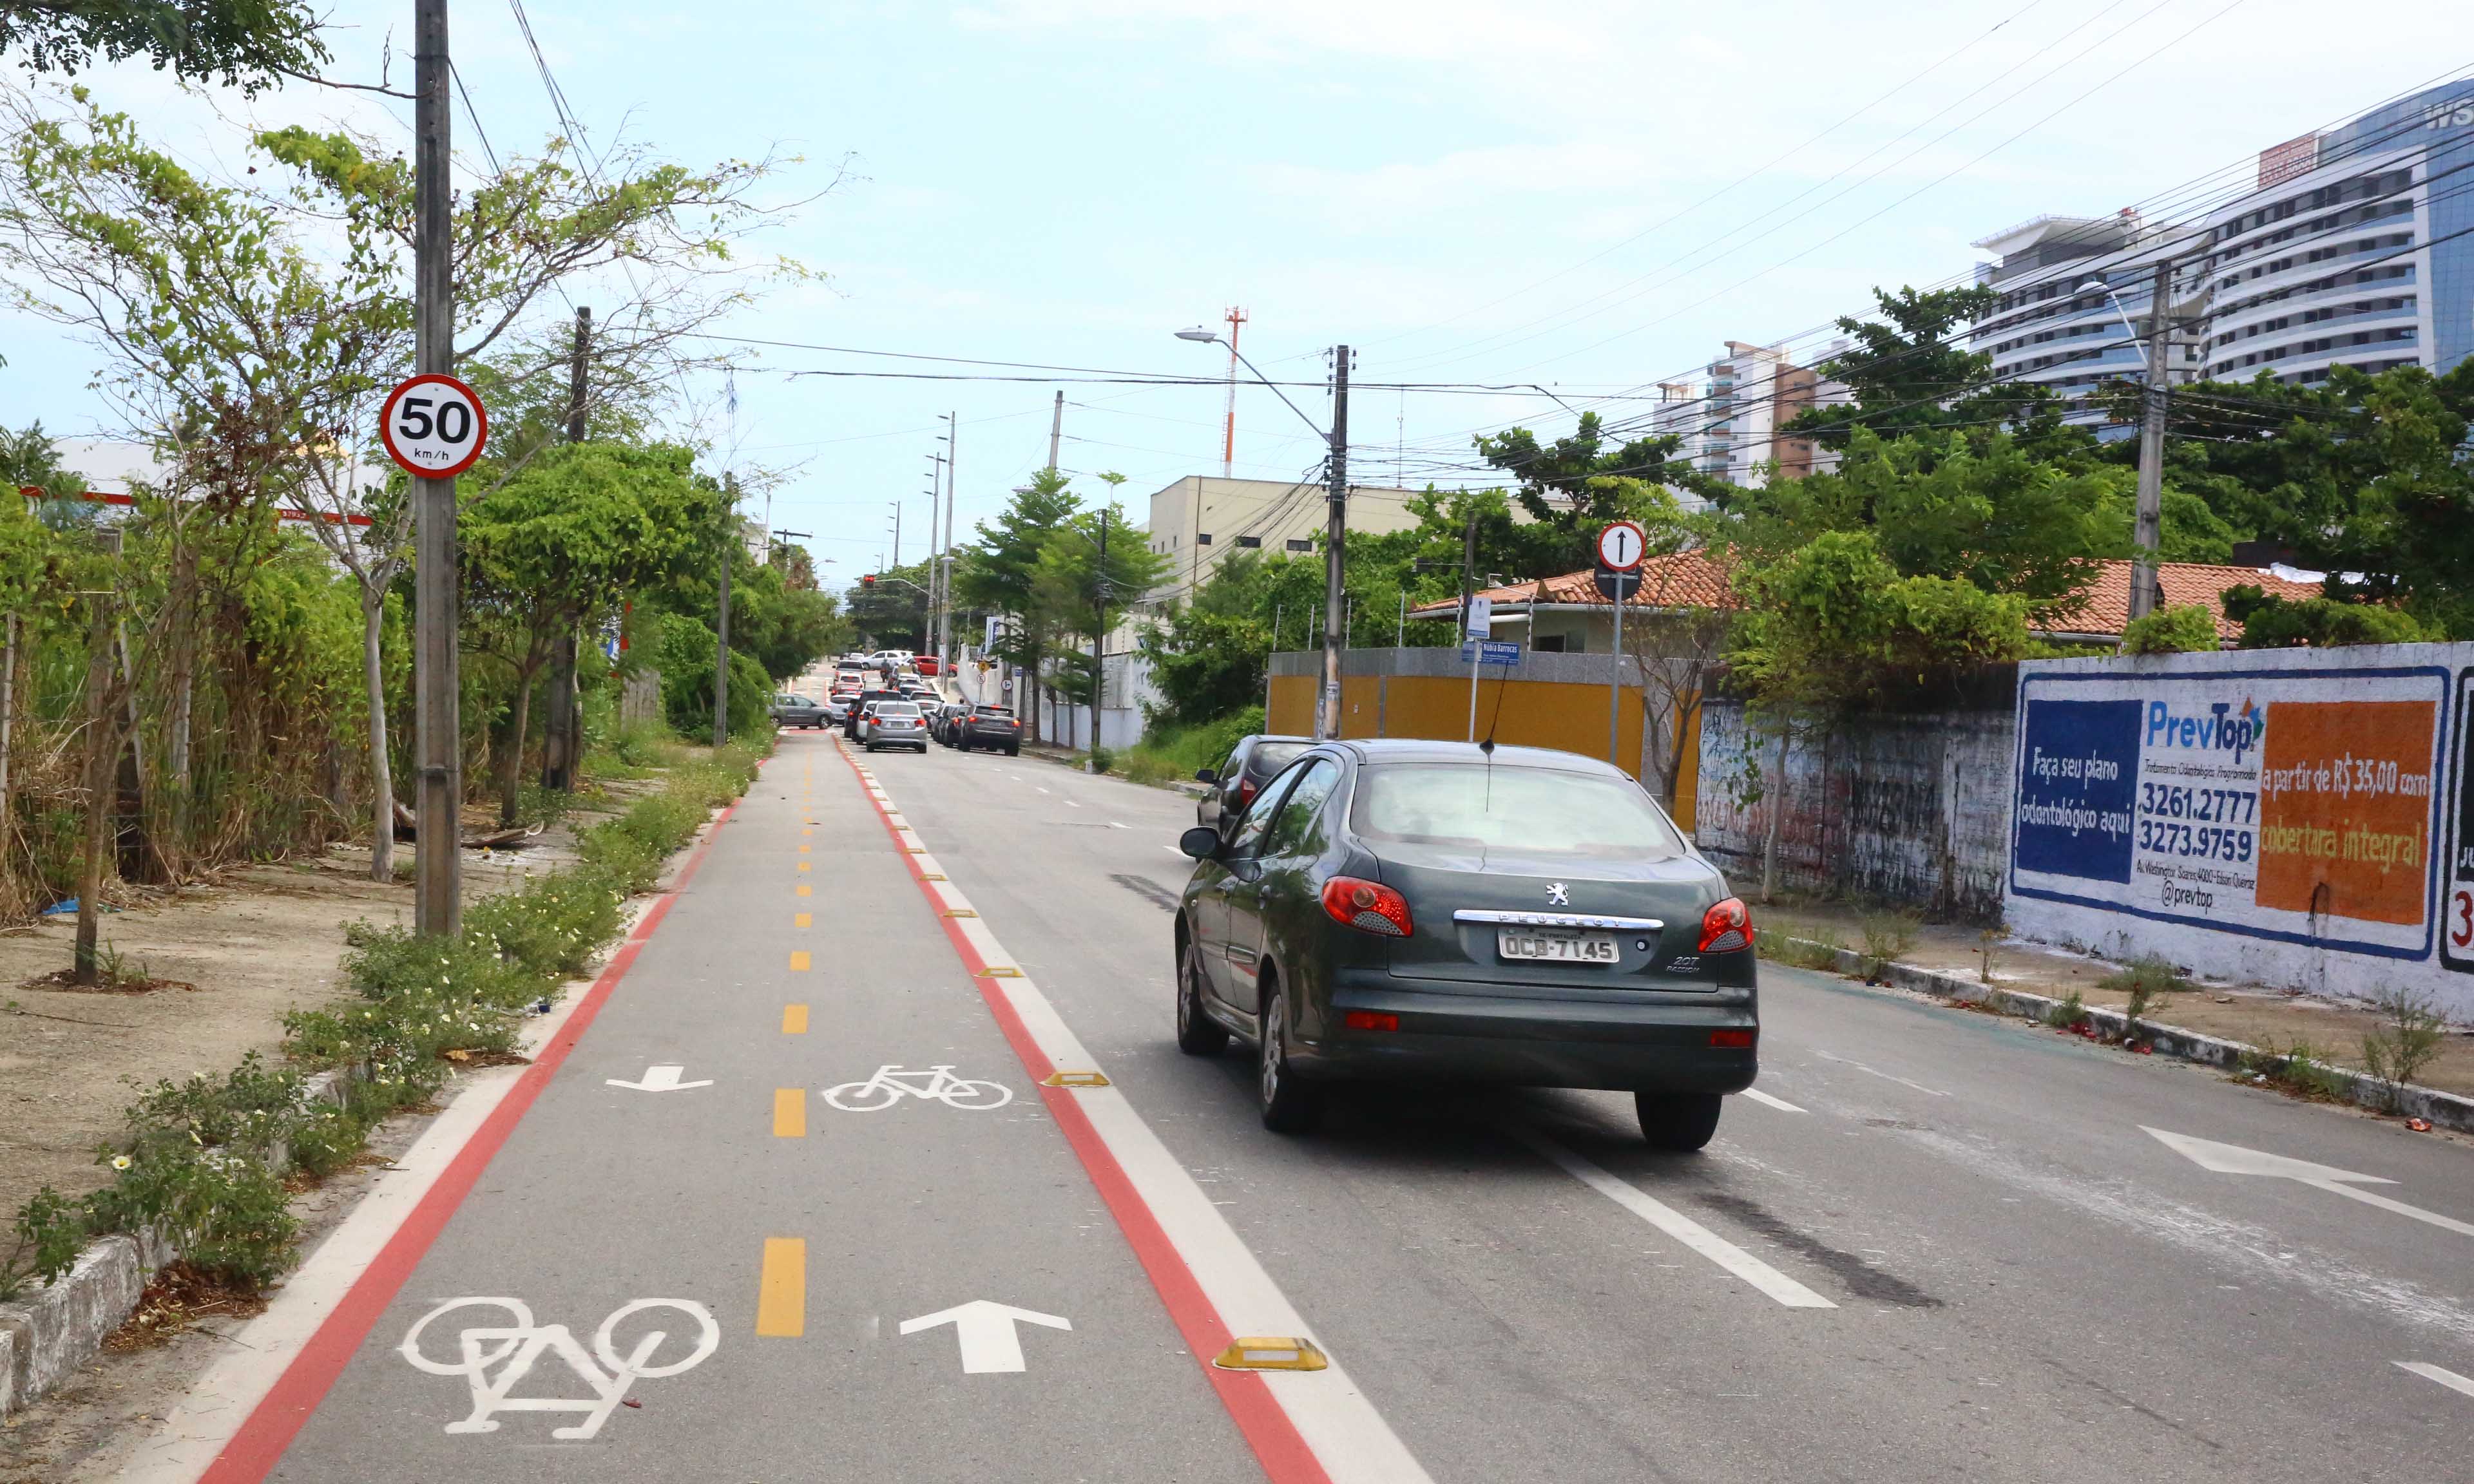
x=1911 y=806
x=1546 y=700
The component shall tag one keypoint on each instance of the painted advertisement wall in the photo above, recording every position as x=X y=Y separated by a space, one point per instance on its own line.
x=2291 y=816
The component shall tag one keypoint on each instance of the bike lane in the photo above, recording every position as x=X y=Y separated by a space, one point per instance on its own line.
x=683 y=1176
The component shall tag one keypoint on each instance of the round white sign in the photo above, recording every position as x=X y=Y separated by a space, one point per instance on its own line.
x=434 y=426
x=1621 y=546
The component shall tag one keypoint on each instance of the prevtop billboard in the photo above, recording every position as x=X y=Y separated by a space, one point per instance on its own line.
x=2291 y=816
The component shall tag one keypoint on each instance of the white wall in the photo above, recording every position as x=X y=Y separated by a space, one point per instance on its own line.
x=2295 y=818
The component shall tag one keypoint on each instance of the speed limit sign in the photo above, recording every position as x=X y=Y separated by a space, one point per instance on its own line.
x=1621 y=546
x=434 y=426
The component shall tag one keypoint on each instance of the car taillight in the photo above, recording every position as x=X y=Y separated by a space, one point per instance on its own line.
x=1368 y=907
x=1246 y=790
x=1726 y=926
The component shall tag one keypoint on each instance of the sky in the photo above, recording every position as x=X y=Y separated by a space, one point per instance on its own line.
x=1572 y=201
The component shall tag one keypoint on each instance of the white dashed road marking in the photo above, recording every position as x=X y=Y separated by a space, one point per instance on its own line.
x=1763 y=1098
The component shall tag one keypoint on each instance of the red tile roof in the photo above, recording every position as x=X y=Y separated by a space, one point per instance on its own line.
x=1690 y=579
x=2104 y=605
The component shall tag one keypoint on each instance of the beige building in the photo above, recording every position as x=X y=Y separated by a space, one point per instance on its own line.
x=1199 y=519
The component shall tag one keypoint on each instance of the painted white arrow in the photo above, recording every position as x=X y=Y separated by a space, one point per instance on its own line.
x=662 y=1078
x=987 y=1331
x=2235 y=1160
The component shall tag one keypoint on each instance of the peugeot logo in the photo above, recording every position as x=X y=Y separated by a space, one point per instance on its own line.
x=1556 y=895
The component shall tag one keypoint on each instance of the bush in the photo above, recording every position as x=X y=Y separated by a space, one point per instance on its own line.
x=2318 y=623
x=201 y=1159
x=2185 y=628
x=2070 y=1014
x=2147 y=980
x=2397 y=1052
x=1102 y=759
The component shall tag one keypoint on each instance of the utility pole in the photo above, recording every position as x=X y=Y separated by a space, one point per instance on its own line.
x=437 y=739
x=1098 y=639
x=1056 y=431
x=1469 y=598
x=1334 y=623
x=2150 y=532
x=935 y=489
x=897 y=537
x=721 y=629
x=559 y=744
x=945 y=554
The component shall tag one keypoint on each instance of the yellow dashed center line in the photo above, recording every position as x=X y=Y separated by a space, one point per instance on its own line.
x=794 y=1019
x=801 y=920
x=799 y=961
x=781 y=1291
x=805 y=889
x=803 y=865
x=805 y=849
x=789 y=1112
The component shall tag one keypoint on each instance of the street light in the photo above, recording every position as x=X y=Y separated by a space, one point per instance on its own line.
x=2099 y=286
x=1336 y=537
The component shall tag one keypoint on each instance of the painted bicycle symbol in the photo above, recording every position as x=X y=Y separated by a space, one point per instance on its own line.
x=891 y=1085
x=513 y=1348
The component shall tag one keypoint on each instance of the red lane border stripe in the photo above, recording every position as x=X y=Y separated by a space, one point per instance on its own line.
x=1277 y=1446
x=288 y=1405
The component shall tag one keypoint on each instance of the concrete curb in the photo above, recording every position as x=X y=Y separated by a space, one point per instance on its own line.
x=2446 y=1110
x=48 y=1336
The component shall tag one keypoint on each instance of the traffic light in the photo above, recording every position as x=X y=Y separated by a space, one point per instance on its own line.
x=868 y=580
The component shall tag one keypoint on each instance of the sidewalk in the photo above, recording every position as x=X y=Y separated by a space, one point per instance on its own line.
x=2276 y=1019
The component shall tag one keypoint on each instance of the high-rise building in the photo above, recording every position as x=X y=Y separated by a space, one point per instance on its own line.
x=2352 y=249
x=1730 y=426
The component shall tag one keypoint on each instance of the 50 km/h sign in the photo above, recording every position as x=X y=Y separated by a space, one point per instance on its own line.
x=1621 y=546
x=434 y=426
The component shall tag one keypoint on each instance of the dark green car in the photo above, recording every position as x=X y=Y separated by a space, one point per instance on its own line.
x=1431 y=910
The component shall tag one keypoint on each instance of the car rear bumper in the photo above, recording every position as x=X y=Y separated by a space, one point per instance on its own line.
x=1453 y=1036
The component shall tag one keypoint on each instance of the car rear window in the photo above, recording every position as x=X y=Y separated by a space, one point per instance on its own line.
x=1529 y=811
x=1270 y=758
x=995 y=711
x=896 y=708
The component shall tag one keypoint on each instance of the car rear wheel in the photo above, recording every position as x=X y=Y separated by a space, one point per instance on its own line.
x=1197 y=1035
x=1014 y=751
x=1290 y=1105
x=1678 y=1122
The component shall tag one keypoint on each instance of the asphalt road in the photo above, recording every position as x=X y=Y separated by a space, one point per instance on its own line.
x=1955 y=1253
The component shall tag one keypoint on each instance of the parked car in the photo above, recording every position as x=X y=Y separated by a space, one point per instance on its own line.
x=893 y=724
x=992 y=726
x=928 y=665
x=796 y=711
x=1249 y=765
x=1423 y=910
x=945 y=722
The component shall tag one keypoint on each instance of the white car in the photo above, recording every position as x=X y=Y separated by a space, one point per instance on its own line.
x=893 y=724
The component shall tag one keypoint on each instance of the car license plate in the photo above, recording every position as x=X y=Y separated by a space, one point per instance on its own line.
x=1556 y=947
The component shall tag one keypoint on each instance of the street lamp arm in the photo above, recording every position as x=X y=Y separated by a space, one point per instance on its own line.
x=1276 y=392
x=882 y=579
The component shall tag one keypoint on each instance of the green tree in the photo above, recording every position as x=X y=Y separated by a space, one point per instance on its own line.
x=998 y=572
x=561 y=540
x=1572 y=488
x=247 y=44
x=2320 y=623
x=2178 y=629
x=1080 y=593
x=1905 y=371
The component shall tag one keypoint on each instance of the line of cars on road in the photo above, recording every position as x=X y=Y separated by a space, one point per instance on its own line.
x=880 y=701
x=1388 y=910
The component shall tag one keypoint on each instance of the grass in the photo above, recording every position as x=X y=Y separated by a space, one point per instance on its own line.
x=2397 y=1051
x=2146 y=980
x=1886 y=936
x=204 y=1162
x=2300 y=1071
x=1172 y=755
x=2069 y=1014
x=1816 y=948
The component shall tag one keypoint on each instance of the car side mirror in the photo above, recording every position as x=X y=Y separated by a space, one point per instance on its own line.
x=1202 y=842
x=1206 y=775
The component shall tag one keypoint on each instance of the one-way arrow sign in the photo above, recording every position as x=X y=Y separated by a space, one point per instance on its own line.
x=662 y=1078
x=2234 y=1160
x=987 y=1331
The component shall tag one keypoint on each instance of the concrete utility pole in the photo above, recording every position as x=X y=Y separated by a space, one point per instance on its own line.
x=1334 y=622
x=1056 y=431
x=722 y=628
x=1099 y=641
x=936 y=594
x=945 y=554
x=437 y=751
x=559 y=727
x=2149 y=532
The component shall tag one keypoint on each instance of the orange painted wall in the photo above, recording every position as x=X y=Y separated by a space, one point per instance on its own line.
x=1521 y=714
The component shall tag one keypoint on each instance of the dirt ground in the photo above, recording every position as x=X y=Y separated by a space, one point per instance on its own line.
x=2235 y=1012
x=258 y=942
